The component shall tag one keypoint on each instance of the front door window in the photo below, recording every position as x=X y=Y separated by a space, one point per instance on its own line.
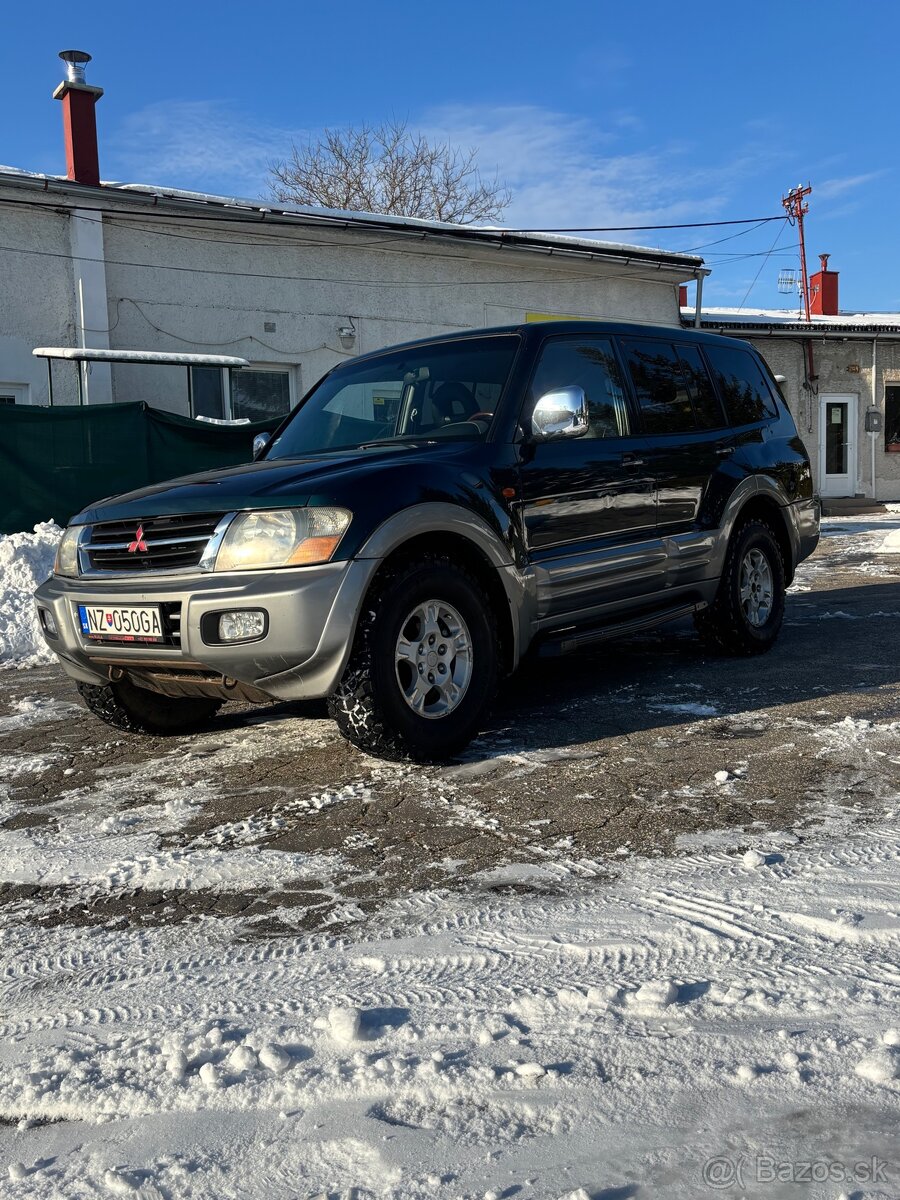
x=836 y=438
x=837 y=445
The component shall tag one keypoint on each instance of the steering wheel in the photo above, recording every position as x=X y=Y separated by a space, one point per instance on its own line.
x=454 y=428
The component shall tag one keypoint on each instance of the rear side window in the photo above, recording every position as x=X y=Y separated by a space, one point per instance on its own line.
x=742 y=385
x=661 y=386
x=588 y=363
x=707 y=409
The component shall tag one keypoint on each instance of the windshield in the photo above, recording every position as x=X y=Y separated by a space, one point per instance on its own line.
x=445 y=390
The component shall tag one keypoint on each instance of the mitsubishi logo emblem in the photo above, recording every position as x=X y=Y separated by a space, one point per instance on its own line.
x=138 y=543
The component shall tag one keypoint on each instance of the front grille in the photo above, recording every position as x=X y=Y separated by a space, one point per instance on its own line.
x=172 y=543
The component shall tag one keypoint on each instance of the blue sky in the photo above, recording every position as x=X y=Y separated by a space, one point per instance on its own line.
x=594 y=113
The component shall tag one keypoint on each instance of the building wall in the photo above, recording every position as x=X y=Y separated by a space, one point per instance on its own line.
x=37 y=302
x=177 y=285
x=834 y=360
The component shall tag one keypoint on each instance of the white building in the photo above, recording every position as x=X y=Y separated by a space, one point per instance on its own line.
x=292 y=290
x=842 y=384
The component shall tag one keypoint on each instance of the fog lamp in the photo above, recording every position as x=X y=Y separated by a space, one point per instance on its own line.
x=242 y=625
x=47 y=623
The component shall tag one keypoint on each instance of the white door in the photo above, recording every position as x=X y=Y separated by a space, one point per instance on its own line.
x=837 y=445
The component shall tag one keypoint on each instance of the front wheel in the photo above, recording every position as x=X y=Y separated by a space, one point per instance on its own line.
x=424 y=666
x=746 y=615
x=137 y=710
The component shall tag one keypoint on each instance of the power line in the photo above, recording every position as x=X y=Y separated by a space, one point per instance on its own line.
x=728 y=238
x=761 y=265
x=635 y=228
x=571 y=278
x=269 y=216
x=262 y=239
x=383 y=245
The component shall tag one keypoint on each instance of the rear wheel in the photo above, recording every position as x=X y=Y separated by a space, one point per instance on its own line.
x=137 y=710
x=745 y=617
x=424 y=666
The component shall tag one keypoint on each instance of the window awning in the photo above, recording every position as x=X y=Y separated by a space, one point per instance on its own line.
x=161 y=358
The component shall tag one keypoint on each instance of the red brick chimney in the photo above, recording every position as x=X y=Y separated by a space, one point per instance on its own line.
x=79 y=120
x=823 y=290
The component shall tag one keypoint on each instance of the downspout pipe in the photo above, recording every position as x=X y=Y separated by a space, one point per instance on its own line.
x=873 y=436
x=698 y=303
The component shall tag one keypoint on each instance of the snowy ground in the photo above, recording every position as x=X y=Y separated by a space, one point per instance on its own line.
x=644 y=940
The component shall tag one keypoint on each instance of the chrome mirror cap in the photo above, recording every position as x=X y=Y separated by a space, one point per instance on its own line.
x=260 y=442
x=561 y=413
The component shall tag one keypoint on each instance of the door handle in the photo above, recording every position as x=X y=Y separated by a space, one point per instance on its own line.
x=724 y=451
x=632 y=460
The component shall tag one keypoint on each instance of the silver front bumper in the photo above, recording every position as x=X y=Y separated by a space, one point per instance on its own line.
x=312 y=615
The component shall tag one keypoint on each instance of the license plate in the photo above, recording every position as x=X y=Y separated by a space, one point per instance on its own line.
x=118 y=623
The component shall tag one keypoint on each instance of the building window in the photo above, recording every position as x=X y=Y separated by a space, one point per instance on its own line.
x=892 y=417
x=208 y=392
x=13 y=393
x=260 y=395
x=248 y=394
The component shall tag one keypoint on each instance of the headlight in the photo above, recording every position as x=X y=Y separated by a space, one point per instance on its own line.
x=290 y=537
x=67 y=552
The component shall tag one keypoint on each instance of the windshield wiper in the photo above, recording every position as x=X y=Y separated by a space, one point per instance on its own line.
x=392 y=441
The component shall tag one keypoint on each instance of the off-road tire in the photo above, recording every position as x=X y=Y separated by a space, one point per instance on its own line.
x=724 y=624
x=368 y=705
x=137 y=710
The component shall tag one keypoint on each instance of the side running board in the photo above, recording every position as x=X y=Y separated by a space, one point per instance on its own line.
x=577 y=639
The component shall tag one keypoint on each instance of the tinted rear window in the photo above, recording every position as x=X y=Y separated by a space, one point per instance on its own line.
x=742 y=385
x=660 y=385
x=707 y=409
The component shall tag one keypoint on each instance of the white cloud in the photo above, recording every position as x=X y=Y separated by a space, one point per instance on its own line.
x=828 y=189
x=562 y=169
x=565 y=171
x=195 y=144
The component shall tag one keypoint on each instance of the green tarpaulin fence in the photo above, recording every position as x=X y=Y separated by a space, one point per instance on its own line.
x=55 y=461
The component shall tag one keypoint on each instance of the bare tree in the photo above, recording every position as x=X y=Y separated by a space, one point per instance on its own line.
x=388 y=169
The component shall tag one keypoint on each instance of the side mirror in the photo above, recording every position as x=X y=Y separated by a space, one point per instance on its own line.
x=259 y=444
x=562 y=413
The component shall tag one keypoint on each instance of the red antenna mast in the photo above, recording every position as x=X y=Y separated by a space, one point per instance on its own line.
x=794 y=204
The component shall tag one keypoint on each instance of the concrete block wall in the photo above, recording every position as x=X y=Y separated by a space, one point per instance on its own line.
x=835 y=362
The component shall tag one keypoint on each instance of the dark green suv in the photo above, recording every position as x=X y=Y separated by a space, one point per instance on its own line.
x=427 y=514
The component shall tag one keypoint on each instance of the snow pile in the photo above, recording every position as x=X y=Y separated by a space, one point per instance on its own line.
x=26 y=559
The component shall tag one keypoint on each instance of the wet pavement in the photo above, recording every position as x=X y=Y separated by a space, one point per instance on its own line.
x=642 y=747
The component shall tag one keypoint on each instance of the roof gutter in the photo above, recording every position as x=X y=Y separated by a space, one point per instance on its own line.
x=239 y=211
x=813 y=334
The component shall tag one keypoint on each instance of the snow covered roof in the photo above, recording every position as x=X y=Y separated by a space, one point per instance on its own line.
x=790 y=320
x=238 y=208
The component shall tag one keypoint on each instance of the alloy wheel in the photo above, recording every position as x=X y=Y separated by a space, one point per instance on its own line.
x=433 y=659
x=757 y=590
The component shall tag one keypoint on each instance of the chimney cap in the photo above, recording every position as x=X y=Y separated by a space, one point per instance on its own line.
x=75 y=62
x=823 y=260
